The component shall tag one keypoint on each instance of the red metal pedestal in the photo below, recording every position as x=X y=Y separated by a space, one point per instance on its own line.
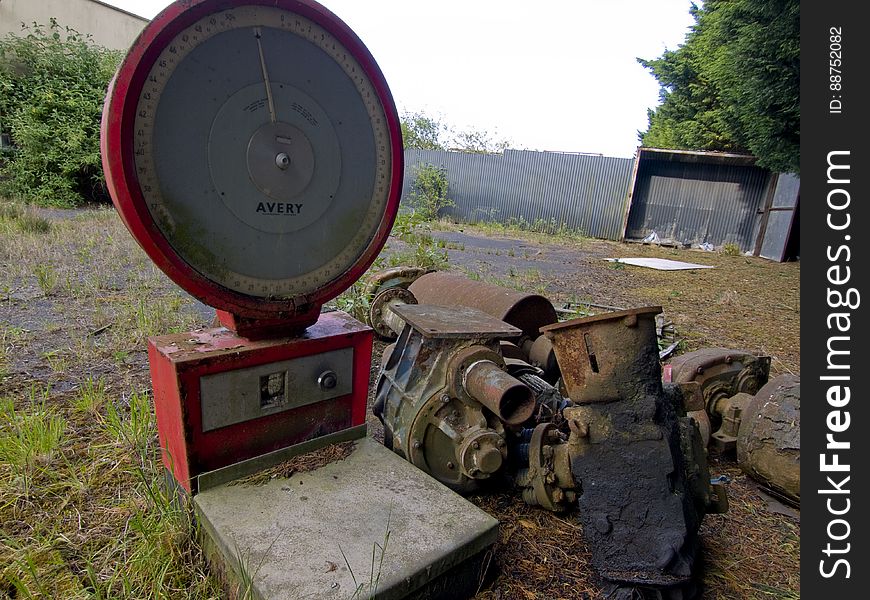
x=221 y=399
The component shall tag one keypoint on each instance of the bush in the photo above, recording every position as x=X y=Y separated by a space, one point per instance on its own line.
x=52 y=86
x=429 y=191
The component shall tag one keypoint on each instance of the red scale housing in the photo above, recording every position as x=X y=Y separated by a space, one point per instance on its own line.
x=180 y=361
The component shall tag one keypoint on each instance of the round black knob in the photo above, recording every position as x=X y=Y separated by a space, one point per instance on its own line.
x=327 y=380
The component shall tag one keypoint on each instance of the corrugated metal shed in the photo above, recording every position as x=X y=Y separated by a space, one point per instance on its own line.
x=580 y=191
x=698 y=197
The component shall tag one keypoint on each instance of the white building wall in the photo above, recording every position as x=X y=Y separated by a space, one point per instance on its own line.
x=109 y=26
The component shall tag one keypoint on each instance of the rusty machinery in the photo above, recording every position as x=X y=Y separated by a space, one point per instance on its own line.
x=527 y=312
x=756 y=418
x=768 y=440
x=460 y=398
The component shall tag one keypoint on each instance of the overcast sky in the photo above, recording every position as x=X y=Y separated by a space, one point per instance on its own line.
x=548 y=75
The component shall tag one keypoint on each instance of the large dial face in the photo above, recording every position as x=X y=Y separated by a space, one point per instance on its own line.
x=262 y=151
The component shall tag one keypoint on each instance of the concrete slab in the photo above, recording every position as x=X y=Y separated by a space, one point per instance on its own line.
x=311 y=535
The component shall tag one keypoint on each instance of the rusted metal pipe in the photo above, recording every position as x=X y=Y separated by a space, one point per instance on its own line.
x=507 y=397
x=528 y=312
x=386 y=323
x=391 y=319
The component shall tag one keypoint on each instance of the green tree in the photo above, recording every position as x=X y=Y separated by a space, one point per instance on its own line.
x=734 y=84
x=423 y=132
x=478 y=141
x=52 y=85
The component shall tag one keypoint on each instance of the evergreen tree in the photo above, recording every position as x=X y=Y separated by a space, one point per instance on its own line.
x=734 y=84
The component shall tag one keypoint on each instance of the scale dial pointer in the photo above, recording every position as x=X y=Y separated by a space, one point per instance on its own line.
x=270 y=100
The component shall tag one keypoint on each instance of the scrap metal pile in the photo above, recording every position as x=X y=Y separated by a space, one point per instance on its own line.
x=484 y=388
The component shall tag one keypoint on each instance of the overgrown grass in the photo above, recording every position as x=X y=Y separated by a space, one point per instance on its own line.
x=82 y=510
x=422 y=250
x=15 y=217
x=84 y=514
x=29 y=439
x=539 y=230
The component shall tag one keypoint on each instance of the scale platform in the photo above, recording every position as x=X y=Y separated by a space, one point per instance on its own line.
x=296 y=538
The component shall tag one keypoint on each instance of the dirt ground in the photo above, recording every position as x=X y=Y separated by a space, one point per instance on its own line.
x=78 y=300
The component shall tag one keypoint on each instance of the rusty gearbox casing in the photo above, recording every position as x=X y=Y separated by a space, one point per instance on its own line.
x=444 y=397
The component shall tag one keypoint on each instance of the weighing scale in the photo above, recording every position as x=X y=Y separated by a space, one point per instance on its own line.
x=253 y=150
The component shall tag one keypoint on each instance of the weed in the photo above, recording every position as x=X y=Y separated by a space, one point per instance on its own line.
x=510 y=283
x=379 y=550
x=57 y=360
x=30 y=222
x=616 y=265
x=9 y=211
x=14 y=217
x=131 y=422
x=730 y=249
x=429 y=190
x=472 y=274
x=71 y=287
x=539 y=230
x=354 y=301
x=245 y=570
x=91 y=397
x=422 y=255
x=86 y=253
x=410 y=227
x=29 y=440
x=46 y=278
x=9 y=338
x=144 y=316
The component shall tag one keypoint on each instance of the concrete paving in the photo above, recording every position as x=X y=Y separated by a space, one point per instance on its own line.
x=319 y=534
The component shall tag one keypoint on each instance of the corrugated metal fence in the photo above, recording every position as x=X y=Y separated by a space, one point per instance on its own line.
x=582 y=192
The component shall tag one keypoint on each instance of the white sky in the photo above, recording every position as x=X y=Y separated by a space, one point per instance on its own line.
x=546 y=75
